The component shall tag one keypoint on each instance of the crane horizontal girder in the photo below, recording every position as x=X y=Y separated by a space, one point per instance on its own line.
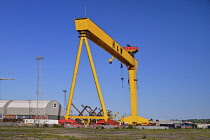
x=99 y=37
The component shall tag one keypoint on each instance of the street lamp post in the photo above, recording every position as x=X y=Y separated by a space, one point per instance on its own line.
x=38 y=91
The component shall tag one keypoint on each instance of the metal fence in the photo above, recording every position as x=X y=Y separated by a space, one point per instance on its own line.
x=114 y=127
x=82 y=126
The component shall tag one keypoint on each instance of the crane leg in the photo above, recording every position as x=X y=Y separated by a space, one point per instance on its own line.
x=83 y=38
x=74 y=79
x=134 y=118
x=96 y=80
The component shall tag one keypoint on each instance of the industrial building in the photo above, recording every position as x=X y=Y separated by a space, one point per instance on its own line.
x=11 y=110
x=170 y=123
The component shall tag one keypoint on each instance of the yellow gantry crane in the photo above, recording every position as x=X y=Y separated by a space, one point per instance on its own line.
x=89 y=30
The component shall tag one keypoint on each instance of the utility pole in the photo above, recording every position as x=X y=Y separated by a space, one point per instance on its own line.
x=38 y=91
x=64 y=105
x=4 y=79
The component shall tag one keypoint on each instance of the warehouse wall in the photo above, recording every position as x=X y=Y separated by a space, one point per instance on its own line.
x=54 y=108
x=50 y=109
x=3 y=105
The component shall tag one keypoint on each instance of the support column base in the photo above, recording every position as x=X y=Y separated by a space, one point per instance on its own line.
x=135 y=120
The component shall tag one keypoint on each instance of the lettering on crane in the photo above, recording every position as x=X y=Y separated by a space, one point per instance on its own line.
x=113 y=45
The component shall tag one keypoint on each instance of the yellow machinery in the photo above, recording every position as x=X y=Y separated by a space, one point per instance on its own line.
x=89 y=30
x=121 y=119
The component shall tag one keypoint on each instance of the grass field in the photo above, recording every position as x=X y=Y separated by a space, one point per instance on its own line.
x=40 y=133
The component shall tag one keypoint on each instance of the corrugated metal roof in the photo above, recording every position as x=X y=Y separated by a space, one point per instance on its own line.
x=28 y=104
x=3 y=102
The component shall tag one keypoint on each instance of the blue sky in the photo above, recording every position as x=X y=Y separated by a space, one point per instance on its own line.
x=173 y=38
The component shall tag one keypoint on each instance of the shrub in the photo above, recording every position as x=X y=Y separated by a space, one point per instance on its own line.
x=130 y=127
x=45 y=125
x=194 y=126
x=97 y=127
x=116 y=128
x=144 y=137
x=56 y=125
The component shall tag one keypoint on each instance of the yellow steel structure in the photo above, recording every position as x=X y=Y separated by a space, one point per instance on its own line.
x=121 y=119
x=83 y=38
x=88 y=29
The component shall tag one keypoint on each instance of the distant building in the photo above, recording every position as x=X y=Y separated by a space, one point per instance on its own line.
x=203 y=126
x=186 y=125
x=170 y=123
x=30 y=109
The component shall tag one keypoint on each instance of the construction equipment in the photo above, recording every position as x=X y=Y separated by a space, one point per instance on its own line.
x=121 y=119
x=6 y=79
x=89 y=30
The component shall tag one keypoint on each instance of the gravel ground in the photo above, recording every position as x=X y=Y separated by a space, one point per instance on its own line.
x=33 y=133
